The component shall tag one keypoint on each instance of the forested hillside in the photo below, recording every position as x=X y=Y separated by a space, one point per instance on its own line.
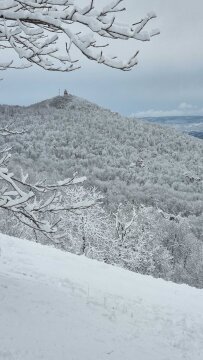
x=127 y=160
x=154 y=172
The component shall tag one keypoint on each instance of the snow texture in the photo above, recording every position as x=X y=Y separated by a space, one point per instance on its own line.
x=55 y=305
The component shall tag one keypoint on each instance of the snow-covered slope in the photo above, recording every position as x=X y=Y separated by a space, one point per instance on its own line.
x=57 y=306
x=126 y=159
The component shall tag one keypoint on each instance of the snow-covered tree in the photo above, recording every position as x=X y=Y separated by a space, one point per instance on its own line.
x=139 y=241
x=38 y=205
x=89 y=230
x=151 y=241
x=43 y=32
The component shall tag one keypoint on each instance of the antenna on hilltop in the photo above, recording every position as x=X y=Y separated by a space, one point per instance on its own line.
x=59 y=92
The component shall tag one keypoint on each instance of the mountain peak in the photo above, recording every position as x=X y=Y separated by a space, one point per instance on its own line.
x=63 y=102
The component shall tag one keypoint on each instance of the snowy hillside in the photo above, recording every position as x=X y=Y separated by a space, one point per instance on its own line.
x=55 y=305
x=126 y=159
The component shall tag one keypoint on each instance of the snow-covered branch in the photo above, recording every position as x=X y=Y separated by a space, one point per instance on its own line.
x=31 y=203
x=8 y=131
x=39 y=205
x=43 y=33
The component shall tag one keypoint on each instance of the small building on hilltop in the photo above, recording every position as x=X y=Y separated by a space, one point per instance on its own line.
x=65 y=93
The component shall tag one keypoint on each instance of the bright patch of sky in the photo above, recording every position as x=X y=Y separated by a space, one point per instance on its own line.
x=169 y=73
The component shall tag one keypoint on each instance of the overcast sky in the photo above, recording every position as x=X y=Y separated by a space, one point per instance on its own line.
x=167 y=81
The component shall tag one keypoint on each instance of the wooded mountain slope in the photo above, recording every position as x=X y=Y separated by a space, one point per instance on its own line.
x=155 y=172
x=127 y=159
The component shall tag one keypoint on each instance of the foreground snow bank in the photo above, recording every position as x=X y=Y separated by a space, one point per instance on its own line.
x=55 y=305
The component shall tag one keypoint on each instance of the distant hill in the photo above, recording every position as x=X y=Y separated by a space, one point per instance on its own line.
x=198 y=134
x=193 y=125
x=128 y=160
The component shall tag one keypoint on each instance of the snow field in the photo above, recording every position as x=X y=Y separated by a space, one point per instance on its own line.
x=55 y=305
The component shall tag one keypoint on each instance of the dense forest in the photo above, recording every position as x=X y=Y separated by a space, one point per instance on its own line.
x=150 y=177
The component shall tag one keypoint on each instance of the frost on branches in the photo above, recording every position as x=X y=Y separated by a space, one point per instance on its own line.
x=39 y=206
x=43 y=32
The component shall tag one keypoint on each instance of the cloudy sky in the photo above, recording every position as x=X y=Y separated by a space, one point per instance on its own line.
x=167 y=81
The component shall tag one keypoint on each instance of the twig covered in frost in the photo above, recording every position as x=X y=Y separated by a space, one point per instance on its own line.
x=36 y=205
x=43 y=33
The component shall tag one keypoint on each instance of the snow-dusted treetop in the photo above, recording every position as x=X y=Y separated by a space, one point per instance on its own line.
x=42 y=32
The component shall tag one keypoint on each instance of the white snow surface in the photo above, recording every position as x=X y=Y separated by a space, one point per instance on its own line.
x=59 y=306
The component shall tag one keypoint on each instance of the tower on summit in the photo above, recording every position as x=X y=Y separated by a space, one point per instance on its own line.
x=65 y=93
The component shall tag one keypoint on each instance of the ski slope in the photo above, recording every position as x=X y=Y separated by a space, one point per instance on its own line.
x=58 y=306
